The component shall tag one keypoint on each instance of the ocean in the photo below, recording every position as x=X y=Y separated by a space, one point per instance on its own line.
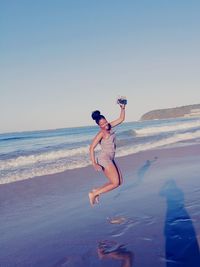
x=25 y=155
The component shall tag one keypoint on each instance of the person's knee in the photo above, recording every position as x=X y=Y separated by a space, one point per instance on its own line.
x=116 y=183
x=120 y=180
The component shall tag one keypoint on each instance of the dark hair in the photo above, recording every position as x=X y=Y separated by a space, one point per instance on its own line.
x=96 y=115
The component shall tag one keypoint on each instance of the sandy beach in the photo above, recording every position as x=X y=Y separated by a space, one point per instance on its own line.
x=151 y=220
x=86 y=82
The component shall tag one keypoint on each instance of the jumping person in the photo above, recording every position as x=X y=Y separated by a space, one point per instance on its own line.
x=105 y=161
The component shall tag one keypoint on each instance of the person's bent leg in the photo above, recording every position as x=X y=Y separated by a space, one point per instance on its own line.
x=119 y=172
x=112 y=174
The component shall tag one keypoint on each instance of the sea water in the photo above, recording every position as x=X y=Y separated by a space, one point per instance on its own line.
x=25 y=155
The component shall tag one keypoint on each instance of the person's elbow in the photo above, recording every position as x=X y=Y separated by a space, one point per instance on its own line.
x=91 y=148
x=122 y=119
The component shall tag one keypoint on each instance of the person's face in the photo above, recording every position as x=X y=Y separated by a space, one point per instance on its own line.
x=104 y=125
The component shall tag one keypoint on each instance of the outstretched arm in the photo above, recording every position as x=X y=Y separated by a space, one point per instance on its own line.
x=121 y=117
x=94 y=143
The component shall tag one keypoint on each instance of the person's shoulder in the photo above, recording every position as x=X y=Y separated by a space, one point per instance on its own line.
x=99 y=134
x=98 y=137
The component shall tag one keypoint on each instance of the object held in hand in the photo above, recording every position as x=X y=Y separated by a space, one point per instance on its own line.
x=122 y=100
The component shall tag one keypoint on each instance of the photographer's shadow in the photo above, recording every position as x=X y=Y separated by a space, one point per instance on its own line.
x=181 y=246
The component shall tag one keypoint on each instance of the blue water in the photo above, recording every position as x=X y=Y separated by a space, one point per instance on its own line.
x=24 y=155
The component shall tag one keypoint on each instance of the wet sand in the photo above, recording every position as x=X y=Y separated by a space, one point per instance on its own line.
x=151 y=220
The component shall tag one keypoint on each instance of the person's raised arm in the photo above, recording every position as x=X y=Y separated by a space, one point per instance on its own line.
x=94 y=143
x=121 y=117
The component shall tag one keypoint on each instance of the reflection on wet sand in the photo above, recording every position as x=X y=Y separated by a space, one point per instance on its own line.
x=112 y=250
x=181 y=242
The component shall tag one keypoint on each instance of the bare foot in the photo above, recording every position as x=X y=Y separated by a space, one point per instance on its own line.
x=97 y=196
x=97 y=199
x=91 y=198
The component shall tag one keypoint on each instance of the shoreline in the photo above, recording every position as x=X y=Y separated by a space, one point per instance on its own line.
x=164 y=151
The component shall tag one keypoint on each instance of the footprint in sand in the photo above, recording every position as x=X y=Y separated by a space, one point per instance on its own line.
x=117 y=220
x=122 y=225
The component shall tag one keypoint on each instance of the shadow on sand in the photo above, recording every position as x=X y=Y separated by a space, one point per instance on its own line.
x=139 y=178
x=181 y=245
x=142 y=171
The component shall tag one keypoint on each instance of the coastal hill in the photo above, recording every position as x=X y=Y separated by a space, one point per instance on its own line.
x=184 y=111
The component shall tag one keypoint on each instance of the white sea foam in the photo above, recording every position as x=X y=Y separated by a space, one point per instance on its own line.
x=55 y=162
x=43 y=157
x=163 y=142
x=168 y=128
x=33 y=172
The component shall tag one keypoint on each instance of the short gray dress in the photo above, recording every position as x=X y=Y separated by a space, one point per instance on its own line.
x=108 y=147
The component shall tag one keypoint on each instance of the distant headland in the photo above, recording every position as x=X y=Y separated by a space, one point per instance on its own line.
x=184 y=111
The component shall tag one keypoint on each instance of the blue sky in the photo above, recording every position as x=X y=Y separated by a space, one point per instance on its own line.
x=62 y=59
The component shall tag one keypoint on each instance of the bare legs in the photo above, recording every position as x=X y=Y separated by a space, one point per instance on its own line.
x=119 y=173
x=114 y=176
